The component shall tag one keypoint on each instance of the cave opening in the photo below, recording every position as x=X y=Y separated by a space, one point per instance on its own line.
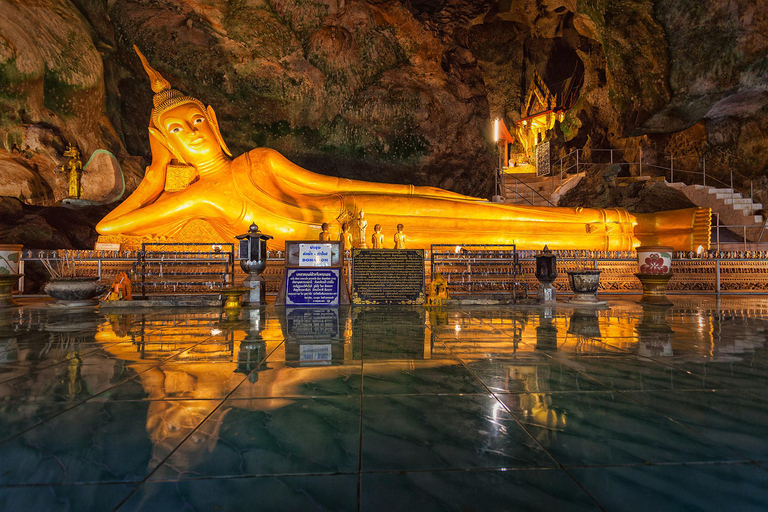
x=564 y=72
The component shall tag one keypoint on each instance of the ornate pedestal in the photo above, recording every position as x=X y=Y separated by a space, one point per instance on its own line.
x=256 y=290
x=655 y=266
x=7 y=282
x=233 y=297
x=655 y=289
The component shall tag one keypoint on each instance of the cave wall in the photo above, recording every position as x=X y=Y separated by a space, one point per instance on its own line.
x=397 y=91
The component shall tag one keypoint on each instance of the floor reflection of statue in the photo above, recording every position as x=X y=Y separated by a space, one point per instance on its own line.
x=230 y=193
x=529 y=397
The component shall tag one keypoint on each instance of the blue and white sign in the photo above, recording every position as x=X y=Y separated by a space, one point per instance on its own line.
x=314 y=255
x=310 y=324
x=312 y=287
x=313 y=354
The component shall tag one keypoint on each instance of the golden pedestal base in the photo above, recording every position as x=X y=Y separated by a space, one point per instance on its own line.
x=655 y=289
x=233 y=297
x=7 y=282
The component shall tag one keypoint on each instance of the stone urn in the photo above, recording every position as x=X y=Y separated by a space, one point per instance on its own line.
x=10 y=256
x=74 y=291
x=584 y=284
x=654 y=272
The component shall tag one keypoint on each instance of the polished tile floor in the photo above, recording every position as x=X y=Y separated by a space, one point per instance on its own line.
x=468 y=409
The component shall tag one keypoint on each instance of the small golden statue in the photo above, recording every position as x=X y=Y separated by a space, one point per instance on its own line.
x=74 y=167
x=325 y=234
x=438 y=290
x=400 y=237
x=377 y=238
x=346 y=237
x=362 y=226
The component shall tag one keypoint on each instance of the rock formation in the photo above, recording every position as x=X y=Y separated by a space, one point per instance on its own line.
x=385 y=90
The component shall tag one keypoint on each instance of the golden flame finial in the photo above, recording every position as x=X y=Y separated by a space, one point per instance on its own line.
x=158 y=83
x=167 y=98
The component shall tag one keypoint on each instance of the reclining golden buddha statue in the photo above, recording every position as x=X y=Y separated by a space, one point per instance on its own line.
x=193 y=178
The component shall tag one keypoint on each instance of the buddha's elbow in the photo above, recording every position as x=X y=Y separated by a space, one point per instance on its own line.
x=107 y=227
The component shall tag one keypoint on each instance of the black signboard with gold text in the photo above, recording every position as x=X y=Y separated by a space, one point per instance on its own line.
x=388 y=276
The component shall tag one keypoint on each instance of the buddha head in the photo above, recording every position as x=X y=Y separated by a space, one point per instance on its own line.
x=181 y=123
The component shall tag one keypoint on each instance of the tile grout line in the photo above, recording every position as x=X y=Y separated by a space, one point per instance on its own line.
x=611 y=389
x=530 y=435
x=360 y=423
x=191 y=432
x=91 y=398
x=625 y=394
x=67 y=359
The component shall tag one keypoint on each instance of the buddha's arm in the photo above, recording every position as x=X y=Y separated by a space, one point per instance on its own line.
x=308 y=182
x=166 y=215
x=146 y=193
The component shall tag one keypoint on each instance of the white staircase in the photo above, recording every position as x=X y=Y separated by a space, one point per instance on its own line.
x=733 y=209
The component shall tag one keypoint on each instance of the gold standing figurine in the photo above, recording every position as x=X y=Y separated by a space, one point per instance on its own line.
x=227 y=194
x=377 y=238
x=325 y=234
x=362 y=226
x=74 y=168
x=400 y=237
x=346 y=237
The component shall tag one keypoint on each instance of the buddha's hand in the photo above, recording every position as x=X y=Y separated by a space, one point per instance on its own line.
x=154 y=177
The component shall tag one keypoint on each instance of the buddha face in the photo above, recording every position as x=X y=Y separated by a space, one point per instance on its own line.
x=189 y=132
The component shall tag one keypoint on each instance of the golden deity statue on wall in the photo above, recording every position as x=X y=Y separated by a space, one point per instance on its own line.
x=292 y=203
x=74 y=170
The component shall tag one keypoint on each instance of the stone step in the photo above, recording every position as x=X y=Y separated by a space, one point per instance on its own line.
x=676 y=184
x=750 y=207
x=728 y=196
x=737 y=200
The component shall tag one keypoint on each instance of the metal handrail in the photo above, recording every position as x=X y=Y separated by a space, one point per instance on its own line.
x=534 y=192
x=671 y=169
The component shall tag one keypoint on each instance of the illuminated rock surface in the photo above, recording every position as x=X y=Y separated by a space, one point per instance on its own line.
x=380 y=91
